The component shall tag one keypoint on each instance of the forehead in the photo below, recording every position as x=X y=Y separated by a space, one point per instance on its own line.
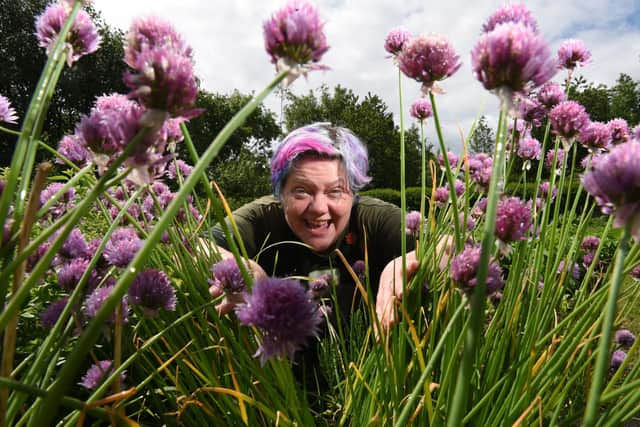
x=317 y=171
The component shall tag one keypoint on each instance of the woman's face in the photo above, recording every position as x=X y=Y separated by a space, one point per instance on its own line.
x=317 y=201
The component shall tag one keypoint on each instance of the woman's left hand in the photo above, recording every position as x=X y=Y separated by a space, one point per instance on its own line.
x=390 y=290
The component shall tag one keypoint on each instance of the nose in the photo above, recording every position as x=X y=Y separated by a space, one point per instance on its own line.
x=319 y=203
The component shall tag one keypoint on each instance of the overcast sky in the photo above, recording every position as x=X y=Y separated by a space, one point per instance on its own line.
x=228 y=45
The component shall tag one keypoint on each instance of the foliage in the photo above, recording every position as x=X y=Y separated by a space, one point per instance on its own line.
x=482 y=140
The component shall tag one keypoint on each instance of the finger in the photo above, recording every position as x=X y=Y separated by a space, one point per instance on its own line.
x=225 y=307
x=215 y=291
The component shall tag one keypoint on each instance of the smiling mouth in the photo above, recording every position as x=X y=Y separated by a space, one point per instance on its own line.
x=317 y=225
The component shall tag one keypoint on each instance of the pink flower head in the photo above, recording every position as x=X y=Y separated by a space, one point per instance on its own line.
x=590 y=243
x=529 y=149
x=412 y=222
x=480 y=169
x=7 y=112
x=573 y=53
x=294 y=34
x=164 y=80
x=617 y=359
x=513 y=219
x=122 y=247
x=428 y=59
x=227 y=276
x=635 y=273
x=421 y=109
x=150 y=33
x=284 y=313
x=531 y=111
x=595 y=136
x=512 y=57
x=568 y=118
x=551 y=154
x=152 y=290
x=635 y=133
x=70 y=146
x=551 y=94
x=98 y=373
x=619 y=130
x=464 y=268
x=82 y=38
x=544 y=190
x=614 y=181
x=452 y=157
x=94 y=302
x=51 y=314
x=441 y=196
x=395 y=40
x=511 y=12
x=624 y=338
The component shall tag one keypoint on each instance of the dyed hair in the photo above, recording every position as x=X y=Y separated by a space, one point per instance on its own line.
x=325 y=141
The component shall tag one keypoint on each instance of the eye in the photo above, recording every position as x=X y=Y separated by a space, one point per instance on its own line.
x=336 y=193
x=300 y=193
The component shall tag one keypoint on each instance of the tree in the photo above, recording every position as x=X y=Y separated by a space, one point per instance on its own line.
x=625 y=100
x=91 y=76
x=368 y=118
x=482 y=139
x=241 y=168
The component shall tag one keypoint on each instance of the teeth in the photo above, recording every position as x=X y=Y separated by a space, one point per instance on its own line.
x=317 y=223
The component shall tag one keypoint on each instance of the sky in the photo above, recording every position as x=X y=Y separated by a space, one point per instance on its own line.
x=229 y=54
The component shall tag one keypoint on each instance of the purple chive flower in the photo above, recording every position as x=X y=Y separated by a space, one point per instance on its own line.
x=395 y=40
x=625 y=338
x=557 y=154
x=122 y=246
x=573 y=53
x=64 y=202
x=619 y=131
x=590 y=243
x=544 y=190
x=152 y=32
x=452 y=157
x=511 y=12
x=97 y=373
x=412 y=222
x=551 y=94
x=617 y=358
x=464 y=268
x=480 y=168
x=164 y=80
x=428 y=59
x=587 y=259
x=529 y=149
x=294 y=36
x=595 y=136
x=531 y=111
x=512 y=58
x=635 y=133
x=51 y=314
x=568 y=118
x=179 y=167
x=7 y=112
x=70 y=273
x=111 y=125
x=283 y=312
x=319 y=287
x=441 y=196
x=94 y=302
x=152 y=291
x=513 y=219
x=228 y=277
x=70 y=146
x=359 y=268
x=458 y=187
x=573 y=268
x=614 y=181
x=421 y=109
x=470 y=223
x=635 y=272
x=82 y=39
x=480 y=208
x=74 y=247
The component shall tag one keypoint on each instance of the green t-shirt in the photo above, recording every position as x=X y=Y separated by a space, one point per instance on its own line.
x=269 y=240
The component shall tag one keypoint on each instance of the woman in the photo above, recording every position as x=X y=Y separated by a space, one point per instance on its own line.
x=315 y=211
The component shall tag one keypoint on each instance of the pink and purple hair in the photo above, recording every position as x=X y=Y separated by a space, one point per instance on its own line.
x=324 y=140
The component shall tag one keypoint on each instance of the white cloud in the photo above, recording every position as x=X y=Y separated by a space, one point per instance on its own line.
x=229 y=53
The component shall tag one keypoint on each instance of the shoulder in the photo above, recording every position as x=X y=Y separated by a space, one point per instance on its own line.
x=263 y=206
x=368 y=205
